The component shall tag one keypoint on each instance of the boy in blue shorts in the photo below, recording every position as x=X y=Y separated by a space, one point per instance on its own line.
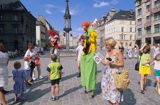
x=54 y=69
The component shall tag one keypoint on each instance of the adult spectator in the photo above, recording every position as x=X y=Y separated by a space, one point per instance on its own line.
x=4 y=58
x=114 y=62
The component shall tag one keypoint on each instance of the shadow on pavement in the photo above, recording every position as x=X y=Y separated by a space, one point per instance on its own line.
x=69 y=76
x=148 y=82
x=98 y=89
x=32 y=95
x=69 y=91
x=129 y=98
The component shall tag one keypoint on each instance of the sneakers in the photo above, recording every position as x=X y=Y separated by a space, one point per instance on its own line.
x=56 y=98
x=34 y=78
x=40 y=77
x=53 y=98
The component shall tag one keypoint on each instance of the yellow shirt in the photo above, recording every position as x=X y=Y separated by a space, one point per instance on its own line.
x=54 y=70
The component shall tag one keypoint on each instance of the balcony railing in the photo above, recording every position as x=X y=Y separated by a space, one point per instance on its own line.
x=156 y=9
x=147 y=23
x=156 y=21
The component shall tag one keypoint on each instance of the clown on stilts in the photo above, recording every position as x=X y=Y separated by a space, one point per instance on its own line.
x=53 y=40
x=88 y=66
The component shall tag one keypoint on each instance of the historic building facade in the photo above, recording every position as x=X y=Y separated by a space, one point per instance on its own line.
x=147 y=21
x=42 y=36
x=17 y=26
x=122 y=28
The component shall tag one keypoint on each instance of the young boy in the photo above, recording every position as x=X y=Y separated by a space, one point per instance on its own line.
x=54 y=69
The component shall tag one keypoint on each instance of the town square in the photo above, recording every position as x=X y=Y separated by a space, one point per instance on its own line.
x=88 y=52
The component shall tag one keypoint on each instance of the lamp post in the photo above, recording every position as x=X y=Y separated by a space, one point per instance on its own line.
x=67 y=24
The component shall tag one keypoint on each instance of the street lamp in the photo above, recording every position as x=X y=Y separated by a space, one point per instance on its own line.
x=67 y=24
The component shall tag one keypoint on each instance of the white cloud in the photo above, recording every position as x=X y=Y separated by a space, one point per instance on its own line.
x=100 y=4
x=77 y=32
x=79 y=29
x=103 y=3
x=50 y=5
x=114 y=2
x=49 y=8
x=48 y=11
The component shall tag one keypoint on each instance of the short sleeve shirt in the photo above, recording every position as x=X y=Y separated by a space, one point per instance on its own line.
x=144 y=58
x=156 y=65
x=54 y=70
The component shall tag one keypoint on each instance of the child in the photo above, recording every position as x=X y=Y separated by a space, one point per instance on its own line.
x=19 y=78
x=37 y=65
x=79 y=50
x=54 y=69
x=157 y=72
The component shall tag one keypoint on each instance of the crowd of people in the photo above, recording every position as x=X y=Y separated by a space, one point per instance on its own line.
x=87 y=67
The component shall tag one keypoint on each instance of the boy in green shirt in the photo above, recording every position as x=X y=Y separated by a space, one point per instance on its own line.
x=54 y=69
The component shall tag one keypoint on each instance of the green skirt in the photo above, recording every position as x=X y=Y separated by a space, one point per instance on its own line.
x=88 y=68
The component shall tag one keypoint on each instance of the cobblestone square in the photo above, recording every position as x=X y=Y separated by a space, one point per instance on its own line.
x=71 y=92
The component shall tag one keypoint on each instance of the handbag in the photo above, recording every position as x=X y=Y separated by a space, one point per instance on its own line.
x=121 y=79
x=136 y=67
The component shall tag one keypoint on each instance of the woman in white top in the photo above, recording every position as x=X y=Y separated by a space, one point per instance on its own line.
x=113 y=62
x=29 y=60
x=157 y=71
x=79 y=50
x=3 y=72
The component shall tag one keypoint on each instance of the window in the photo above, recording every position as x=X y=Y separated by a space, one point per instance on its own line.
x=139 y=31
x=1 y=17
x=157 y=3
x=140 y=21
x=130 y=37
x=15 y=18
x=148 y=30
x=148 y=18
x=148 y=8
x=1 y=28
x=139 y=11
x=157 y=28
x=27 y=28
x=15 y=28
x=122 y=29
x=130 y=29
x=121 y=36
x=157 y=16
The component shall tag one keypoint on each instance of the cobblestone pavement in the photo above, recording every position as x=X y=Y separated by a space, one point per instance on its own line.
x=71 y=92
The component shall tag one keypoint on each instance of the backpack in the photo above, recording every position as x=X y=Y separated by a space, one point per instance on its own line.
x=121 y=79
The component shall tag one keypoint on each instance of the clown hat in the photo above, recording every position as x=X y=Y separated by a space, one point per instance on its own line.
x=87 y=24
x=52 y=32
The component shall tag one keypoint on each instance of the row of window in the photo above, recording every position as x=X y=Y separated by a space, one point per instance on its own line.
x=148 y=7
x=15 y=28
x=148 y=29
x=148 y=18
x=126 y=37
x=14 y=18
x=122 y=29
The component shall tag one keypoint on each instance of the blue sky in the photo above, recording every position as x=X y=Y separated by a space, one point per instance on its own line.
x=81 y=10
